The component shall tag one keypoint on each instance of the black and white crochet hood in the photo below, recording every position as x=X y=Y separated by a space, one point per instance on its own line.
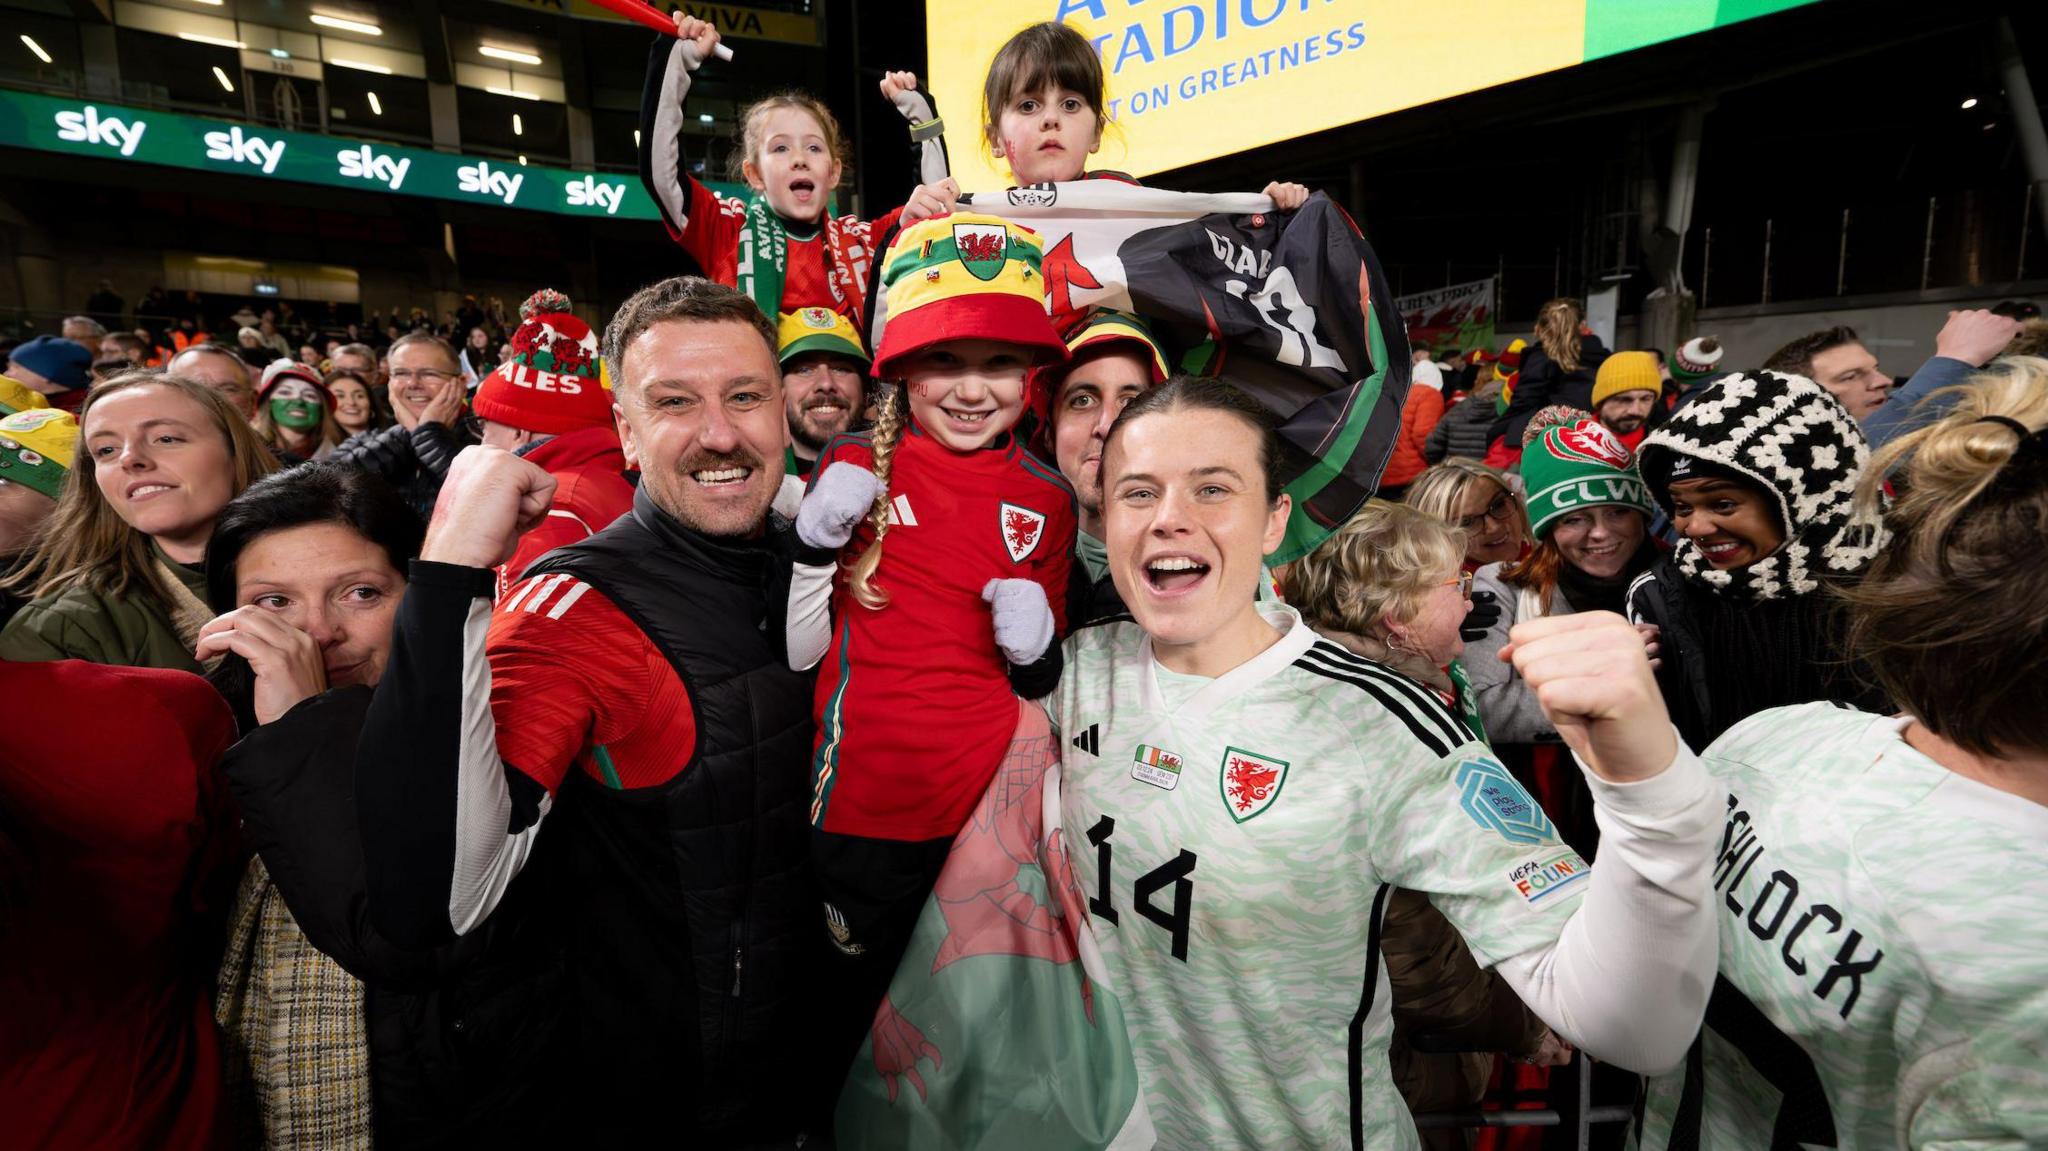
x=1788 y=434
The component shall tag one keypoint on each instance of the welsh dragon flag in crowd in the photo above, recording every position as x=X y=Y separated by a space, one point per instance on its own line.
x=1001 y=1029
x=1291 y=307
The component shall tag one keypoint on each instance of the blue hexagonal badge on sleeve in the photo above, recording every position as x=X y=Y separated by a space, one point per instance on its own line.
x=1499 y=804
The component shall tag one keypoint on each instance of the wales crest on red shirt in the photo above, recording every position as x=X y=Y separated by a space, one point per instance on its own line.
x=1022 y=529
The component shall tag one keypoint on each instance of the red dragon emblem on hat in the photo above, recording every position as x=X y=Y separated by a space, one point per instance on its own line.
x=1590 y=440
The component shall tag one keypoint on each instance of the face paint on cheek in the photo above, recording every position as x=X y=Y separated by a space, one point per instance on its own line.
x=298 y=415
x=920 y=389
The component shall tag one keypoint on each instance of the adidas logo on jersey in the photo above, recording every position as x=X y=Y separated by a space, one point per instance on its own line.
x=1090 y=740
x=900 y=514
x=540 y=595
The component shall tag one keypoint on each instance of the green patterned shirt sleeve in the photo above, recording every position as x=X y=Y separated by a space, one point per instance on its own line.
x=1466 y=834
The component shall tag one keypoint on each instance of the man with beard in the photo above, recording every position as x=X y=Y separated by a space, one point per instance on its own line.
x=1625 y=394
x=631 y=693
x=824 y=377
x=427 y=396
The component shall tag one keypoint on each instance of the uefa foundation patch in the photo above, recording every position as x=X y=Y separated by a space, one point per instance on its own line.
x=1540 y=877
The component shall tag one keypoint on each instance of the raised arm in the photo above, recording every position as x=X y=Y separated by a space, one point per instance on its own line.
x=662 y=167
x=842 y=493
x=446 y=824
x=1628 y=977
x=1510 y=709
x=927 y=131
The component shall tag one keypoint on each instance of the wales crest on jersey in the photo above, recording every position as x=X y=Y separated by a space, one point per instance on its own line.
x=1250 y=782
x=1022 y=529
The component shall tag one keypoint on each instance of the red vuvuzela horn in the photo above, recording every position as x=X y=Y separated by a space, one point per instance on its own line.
x=648 y=15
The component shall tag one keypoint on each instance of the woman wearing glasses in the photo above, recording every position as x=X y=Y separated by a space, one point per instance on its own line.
x=1589 y=511
x=1390 y=586
x=428 y=395
x=1467 y=494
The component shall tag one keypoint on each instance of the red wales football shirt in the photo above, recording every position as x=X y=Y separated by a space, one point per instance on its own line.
x=914 y=704
x=575 y=685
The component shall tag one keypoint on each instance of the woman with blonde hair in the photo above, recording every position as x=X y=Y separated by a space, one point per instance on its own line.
x=1558 y=368
x=1480 y=501
x=1390 y=585
x=116 y=577
x=1866 y=1005
x=1485 y=505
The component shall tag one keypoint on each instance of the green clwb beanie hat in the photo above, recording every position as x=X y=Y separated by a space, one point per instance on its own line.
x=1580 y=465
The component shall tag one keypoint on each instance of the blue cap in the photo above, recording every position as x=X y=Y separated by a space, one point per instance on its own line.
x=56 y=359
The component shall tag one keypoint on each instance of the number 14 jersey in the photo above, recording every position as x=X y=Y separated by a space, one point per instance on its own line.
x=1236 y=838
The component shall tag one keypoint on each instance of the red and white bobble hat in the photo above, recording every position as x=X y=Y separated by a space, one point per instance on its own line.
x=552 y=383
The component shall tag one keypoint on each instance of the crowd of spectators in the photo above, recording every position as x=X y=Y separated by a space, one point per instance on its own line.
x=500 y=730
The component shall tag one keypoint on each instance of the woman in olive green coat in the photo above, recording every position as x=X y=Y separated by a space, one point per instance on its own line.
x=117 y=575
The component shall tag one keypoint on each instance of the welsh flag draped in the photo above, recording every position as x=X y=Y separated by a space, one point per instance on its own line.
x=1000 y=1029
x=1290 y=307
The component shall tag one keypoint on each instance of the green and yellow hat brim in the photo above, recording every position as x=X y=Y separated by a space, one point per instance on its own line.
x=818 y=330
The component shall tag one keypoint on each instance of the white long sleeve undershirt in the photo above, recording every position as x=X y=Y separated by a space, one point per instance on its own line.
x=1628 y=978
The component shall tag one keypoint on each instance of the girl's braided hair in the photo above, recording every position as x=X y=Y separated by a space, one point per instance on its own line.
x=888 y=431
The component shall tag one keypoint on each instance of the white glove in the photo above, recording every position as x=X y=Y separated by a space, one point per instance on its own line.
x=836 y=504
x=1023 y=618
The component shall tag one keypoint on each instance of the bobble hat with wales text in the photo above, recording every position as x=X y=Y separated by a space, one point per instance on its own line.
x=552 y=383
x=1580 y=465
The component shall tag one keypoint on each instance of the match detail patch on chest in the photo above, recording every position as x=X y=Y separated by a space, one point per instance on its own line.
x=1156 y=766
x=1250 y=782
x=1022 y=529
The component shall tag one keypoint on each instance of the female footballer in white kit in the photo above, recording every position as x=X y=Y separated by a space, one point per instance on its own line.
x=1882 y=881
x=1238 y=795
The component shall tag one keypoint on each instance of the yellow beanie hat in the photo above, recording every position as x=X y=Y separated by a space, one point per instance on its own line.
x=1626 y=372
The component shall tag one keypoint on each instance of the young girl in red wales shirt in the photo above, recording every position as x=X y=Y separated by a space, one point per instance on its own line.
x=931 y=587
x=782 y=247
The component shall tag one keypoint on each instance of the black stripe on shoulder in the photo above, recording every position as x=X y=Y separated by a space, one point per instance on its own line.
x=1039 y=467
x=1421 y=698
x=1365 y=998
x=1423 y=733
x=1452 y=723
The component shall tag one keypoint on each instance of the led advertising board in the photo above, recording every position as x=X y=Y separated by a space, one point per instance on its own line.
x=137 y=135
x=1205 y=78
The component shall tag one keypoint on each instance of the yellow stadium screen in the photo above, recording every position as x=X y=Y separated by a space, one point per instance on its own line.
x=1193 y=81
